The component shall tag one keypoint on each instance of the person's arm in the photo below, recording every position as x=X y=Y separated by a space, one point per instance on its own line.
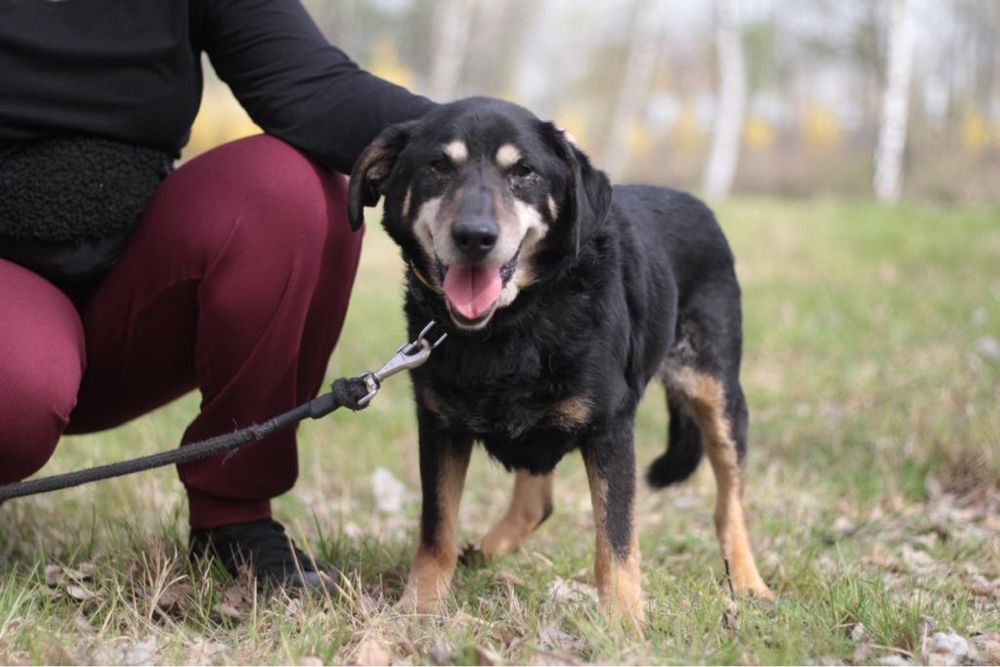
x=295 y=84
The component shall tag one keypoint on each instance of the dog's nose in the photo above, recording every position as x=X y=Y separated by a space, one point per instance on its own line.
x=475 y=237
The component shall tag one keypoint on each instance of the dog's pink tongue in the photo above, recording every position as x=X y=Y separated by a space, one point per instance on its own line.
x=471 y=290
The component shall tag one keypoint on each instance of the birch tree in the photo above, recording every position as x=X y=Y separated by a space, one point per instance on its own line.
x=720 y=171
x=453 y=22
x=888 y=180
x=639 y=67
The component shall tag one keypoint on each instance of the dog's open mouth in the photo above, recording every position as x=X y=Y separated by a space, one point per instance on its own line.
x=471 y=292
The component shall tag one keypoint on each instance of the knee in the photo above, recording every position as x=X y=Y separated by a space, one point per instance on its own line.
x=298 y=208
x=34 y=412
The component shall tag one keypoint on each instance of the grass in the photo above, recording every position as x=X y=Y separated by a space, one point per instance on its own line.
x=874 y=465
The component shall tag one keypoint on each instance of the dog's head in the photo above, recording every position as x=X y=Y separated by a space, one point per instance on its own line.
x=476 y=193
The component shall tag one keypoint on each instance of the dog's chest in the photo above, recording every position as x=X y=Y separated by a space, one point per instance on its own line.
x=486 y=412
x=508 y=393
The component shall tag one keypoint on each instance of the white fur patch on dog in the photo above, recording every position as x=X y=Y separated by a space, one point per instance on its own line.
x=423 y=226
x=507 y=156
x=457 y=151
x=532 y=230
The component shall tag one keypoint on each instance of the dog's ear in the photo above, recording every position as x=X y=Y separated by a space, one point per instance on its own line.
x=588 y=197
x=371 y=172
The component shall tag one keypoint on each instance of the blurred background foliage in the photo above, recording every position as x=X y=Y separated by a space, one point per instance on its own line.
x=638 y=83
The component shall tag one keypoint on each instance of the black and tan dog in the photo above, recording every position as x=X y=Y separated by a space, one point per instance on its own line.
x=564 y=298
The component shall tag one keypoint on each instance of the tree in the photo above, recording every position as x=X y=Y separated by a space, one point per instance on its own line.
x=453 y=19
x=895 y=102
x=720 y=170
x=640 y=63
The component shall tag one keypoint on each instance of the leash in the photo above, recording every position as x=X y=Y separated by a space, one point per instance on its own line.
x=352 y=393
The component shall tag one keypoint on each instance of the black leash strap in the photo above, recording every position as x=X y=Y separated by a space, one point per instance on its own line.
x=352 y=393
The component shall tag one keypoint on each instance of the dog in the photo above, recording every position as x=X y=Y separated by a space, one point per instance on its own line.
x=563 y=297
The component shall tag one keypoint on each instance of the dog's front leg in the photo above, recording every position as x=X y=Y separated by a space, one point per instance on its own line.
x=443 y=463
x=610 y=461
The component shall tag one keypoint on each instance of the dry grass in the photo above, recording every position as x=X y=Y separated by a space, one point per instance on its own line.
x=875 y=457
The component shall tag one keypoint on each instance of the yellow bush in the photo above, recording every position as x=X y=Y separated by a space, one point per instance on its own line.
x=820 y=129
x=687 y=132
x=975 y=132
x=758 y=133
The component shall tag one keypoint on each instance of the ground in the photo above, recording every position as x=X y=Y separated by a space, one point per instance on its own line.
x=872 y=368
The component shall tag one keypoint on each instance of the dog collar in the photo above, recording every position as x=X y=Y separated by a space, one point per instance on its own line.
x=426 y=283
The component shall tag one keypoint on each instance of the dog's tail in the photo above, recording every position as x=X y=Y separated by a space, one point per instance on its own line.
x=682 y=456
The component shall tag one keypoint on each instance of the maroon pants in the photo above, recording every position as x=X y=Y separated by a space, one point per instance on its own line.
x=235 y=282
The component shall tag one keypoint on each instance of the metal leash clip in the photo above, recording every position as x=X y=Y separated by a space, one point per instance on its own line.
x=409 y=355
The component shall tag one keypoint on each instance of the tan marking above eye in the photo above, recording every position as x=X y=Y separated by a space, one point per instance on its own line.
x=457 y=151
x=508 y=155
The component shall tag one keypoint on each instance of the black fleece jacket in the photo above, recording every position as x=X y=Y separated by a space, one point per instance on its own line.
x=129 y=71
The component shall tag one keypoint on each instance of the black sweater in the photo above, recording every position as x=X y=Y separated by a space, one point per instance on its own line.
x=130 y=70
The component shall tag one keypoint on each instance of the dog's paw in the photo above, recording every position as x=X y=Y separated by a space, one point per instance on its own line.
x=411 y=602
x=750 y=583
x=472 y=556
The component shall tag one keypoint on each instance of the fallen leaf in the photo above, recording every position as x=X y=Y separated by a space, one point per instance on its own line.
x=82 y=625
x=206 y=652
x=440 y=654
x=985 y=588
x=53 y=575
x=945 y=648
x=175 y=599
x=79 y=574
x=223 y=611
x=731 y=616
x=510 y=578
x=549 y=658
x=984 y=649
x=142 y=652
x=562 y=591
x=484 y=656
x=917 y=561
x=553 y=636
x=843 y=524
x=311 y=661
x=233 y=596
x=80 y=593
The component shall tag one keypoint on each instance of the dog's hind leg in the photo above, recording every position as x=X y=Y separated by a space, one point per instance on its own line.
x=530 y=506
x=707 y=387
x=611 y=473
x=443 y=465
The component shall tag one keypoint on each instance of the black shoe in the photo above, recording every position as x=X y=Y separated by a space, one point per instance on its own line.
x=264 y=548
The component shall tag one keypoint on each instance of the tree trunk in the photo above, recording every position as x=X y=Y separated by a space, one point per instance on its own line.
x=639 y=66
x=892 y=130
x=720 y=170
x=453 y=21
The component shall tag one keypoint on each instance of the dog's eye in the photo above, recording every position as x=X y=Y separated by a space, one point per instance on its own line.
x=521 y=171
x=440 y=166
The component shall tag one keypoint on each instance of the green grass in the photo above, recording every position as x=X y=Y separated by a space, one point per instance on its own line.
x=874 y=463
